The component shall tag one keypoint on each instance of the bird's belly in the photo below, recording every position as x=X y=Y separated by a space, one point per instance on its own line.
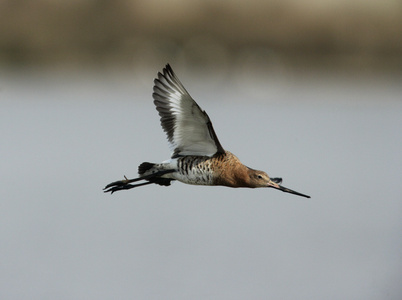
x=194 y=170
x=195 y=176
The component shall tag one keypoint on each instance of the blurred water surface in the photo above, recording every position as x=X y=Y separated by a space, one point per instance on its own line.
x=65 y=137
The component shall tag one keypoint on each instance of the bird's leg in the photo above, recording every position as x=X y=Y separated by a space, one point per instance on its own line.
x=122 y=185
x=125 y=183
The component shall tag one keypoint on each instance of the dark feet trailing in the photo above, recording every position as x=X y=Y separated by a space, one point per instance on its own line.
x=125 y=183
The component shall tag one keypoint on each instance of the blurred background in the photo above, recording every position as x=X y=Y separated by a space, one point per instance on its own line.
x=358 y=35
x=309 y=90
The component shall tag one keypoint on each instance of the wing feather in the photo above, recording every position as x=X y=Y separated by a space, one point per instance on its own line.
x=189 y=129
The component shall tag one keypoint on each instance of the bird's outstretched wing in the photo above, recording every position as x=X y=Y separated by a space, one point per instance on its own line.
x=189 y=129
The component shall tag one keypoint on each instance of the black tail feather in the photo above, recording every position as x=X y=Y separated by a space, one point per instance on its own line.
x=154 y=178
x=145 y=166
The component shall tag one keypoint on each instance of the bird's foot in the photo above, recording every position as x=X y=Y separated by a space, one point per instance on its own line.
x=277 y=180
x=118 y=186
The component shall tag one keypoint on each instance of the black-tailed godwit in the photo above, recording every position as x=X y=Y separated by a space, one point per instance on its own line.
x=198 y=157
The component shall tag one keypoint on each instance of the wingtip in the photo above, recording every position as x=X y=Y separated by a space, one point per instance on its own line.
x=168 y=71
x=165 y=74
x=168 y=67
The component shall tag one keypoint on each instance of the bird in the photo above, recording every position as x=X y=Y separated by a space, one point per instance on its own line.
x=198 y=157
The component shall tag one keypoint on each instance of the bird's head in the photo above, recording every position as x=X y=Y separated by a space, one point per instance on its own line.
x=259 y=179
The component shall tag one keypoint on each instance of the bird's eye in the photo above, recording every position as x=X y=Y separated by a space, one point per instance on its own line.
x=259 y=177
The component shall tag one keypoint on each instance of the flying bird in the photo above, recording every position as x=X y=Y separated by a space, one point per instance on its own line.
x=198 y=157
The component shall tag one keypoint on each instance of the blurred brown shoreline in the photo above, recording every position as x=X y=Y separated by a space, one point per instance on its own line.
x=362 y=36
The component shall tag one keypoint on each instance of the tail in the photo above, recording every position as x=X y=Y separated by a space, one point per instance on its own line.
x=145 y=166
x=153 y=175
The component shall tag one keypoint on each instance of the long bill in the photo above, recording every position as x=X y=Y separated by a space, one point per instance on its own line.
x=284 y=189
